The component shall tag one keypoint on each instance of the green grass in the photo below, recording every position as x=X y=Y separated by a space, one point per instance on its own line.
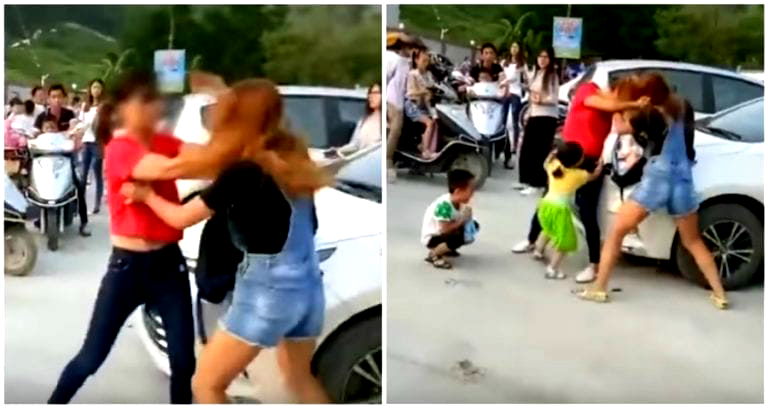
x=72 y=54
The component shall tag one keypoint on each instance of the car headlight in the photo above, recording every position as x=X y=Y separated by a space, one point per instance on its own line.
x=324 y=254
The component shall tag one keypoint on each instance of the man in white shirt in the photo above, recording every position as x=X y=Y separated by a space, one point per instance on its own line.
x=399 y=49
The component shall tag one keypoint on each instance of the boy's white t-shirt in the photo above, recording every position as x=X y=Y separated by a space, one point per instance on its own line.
x=441 y=210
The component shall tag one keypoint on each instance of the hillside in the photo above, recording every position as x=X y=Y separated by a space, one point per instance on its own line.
x=67 y=52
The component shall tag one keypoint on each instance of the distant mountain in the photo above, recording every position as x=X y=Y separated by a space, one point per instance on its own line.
x=67 y=52
x=22 y=20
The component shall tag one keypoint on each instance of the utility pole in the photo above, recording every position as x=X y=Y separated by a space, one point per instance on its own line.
x=562 y=68
x=442 y=40
x=173 y=29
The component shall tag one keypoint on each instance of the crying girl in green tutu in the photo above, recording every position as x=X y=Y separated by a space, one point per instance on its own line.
x=555 y=210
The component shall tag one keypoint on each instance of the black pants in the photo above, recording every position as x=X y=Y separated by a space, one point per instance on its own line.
x=82 y=207
x=587 y=199
x=92 y=159
x=159 y=279
x=537 y=143
x=453 y=240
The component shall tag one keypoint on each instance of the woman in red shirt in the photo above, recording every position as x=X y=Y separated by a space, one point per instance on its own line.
x=264 y=187
x=146 y=265
x=588 y=123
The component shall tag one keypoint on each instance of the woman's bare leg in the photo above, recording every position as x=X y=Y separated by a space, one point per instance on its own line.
x=294 y=359
x=220 y=362
x=629 y=217
x=690 y=237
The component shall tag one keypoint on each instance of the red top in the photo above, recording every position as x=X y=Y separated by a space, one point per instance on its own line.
x=589 y=127
x=137 y=220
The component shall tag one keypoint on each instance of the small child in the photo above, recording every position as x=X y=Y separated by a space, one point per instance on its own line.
x=485 y=76
x=555 y=211
x=445 y=221
x=50 y=126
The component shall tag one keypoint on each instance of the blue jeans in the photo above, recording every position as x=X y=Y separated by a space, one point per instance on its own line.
x=512 y=105
x=157 y=278
x=92 y=158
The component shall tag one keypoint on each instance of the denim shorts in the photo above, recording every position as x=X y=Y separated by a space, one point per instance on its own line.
x=414 y=111
x=266 y=309
x=667 y=186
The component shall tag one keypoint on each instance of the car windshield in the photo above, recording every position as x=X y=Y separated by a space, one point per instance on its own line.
x=744 y=123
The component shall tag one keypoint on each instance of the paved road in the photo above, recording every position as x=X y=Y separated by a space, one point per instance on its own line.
x=46 y=316
x=494 y=330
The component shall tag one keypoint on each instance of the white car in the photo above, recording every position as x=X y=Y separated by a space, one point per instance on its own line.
x=708 y=89
x=349 y=242
x=728 y=176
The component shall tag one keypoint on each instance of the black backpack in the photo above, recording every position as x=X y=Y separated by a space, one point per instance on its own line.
x=217 y=260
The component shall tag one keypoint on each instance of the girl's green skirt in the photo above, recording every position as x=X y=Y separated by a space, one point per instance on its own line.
x=556 y=219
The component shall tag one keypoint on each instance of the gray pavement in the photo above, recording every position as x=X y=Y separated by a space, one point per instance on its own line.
x=46 y=316
x=494 y=330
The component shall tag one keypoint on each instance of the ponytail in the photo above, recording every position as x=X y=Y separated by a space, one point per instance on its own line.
x=104 y=124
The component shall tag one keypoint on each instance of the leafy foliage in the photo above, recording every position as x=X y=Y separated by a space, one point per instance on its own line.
x=329 y=45
x=318 y=45
x=707 y=34
x=723 y=35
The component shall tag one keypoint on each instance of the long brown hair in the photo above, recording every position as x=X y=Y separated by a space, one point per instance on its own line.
x=246 y=125
x=654 y=86
x=518 y=58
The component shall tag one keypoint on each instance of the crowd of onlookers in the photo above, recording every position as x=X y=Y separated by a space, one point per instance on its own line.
x=54 y=110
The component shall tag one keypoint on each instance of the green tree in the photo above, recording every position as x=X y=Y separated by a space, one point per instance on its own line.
x=326 y=45
x=221 y=39
x=721 y=35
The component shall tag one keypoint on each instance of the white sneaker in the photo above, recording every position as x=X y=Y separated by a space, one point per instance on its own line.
x=553 y=273
x=391 y=175
x=522 y=247
x=587 y=275
x=539 y=256
x=530 y=190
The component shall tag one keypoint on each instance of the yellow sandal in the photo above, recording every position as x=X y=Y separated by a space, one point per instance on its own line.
x=719 y=302
x=598 y=296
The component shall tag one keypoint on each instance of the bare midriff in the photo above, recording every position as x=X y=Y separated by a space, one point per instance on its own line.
x=137 y=244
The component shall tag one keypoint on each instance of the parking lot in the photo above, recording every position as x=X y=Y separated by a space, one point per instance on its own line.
x=494 y=330
x=46 y=317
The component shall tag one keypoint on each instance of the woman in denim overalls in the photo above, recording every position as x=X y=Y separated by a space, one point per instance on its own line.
x=667 y=184
x=264 y=184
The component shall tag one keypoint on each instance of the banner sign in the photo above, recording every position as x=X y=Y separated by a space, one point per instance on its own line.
x=566 y=37
x=170 y=68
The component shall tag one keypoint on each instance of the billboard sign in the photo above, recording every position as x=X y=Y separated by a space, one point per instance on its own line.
x=566 y=37
x=170 y=68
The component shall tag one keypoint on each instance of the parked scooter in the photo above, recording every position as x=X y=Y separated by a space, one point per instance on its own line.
x=20 y=247
x=486 y=112
x=52 y=186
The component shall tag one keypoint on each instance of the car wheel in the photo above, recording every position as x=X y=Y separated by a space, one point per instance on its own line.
x=735 y=236
x=350 y=366
x=473 y=162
